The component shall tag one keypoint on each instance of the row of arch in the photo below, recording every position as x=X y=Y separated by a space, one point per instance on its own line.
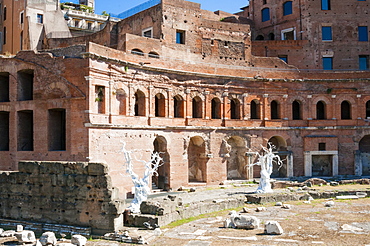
x=235 y=108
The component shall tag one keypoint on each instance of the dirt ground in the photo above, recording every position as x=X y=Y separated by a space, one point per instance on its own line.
x=345 y=223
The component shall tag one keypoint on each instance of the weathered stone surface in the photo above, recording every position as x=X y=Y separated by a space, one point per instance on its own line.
x=273 y=228
x=48 y=238
x=246 y=222
x=25 y=236
x=329 y=204
x=9 y=233
x=78 y=240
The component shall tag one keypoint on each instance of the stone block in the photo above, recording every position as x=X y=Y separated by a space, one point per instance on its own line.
x=273 y=228
x=48 y=238
x=97 y=169
x=29 y=167
x=25 y=236
x=78 y=240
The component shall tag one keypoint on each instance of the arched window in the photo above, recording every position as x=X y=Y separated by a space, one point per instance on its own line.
x=271 y=36
x=255 y=109
x=197 y=107
x=137 y=52
x=367 y=109
x=296 y=110
x=235 y=109
x=178 y=107
x=287 y=8
x=139 y=103
x=153 y=54
x=275 y=110
x=320 y=110
x=160 y=105
x=216 y=108
x=345 y=110
x=260 y=37
x=265 y=14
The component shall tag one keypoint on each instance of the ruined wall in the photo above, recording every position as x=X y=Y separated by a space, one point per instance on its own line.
x=70 y=193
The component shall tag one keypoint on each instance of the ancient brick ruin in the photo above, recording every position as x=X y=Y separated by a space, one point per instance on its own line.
x=175 y=79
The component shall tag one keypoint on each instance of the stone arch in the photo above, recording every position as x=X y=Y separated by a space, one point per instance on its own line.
x=364 y=156
x=297 y=110
x=281 y=149
x=57 y=90
x=236 y=159
x=140 y=103
x=160 y=105
x=275 y=109
x=137 y=51
x=121 y=97
x=178 y=106
x=255 y=109
x=321 y=110
x=162 y=181
x=197 y=107
x=197 y=160
x=260 y=37
x=235 y=108
x=345 y=110
x=216 y=108
x=153 y=54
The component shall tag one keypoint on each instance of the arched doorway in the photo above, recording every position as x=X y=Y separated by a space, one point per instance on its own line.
x=197 y=160
x=236 y=161
x=364 y=156
x=162 y=180
x=280 y=148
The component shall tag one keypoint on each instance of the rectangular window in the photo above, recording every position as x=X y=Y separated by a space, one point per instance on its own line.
x=25 y=85
x=21 y=18
x=363 y=33
x=148 y=33
x=25 y=131
x=100 y=99
x=4 y=87
x=57 y=129
x=180 y=37
x=363 y=62
x=4 y=13
x=265 y=14
x=288 y=8
x=288 y=34
x=325 y=4
x=4 y=131
x=326 y=33
x=327 y=63
x=40 y=18
x=89 y=25
x=322 y=146
x=284 y=58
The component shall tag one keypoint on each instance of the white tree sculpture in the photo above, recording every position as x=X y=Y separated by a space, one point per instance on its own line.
x=142 y=189
x=266 y=161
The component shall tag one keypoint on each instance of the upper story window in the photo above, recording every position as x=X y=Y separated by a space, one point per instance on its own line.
x=288 y=34
x=40 y=18
x=4 y=13
x=288 y=8
x=265 y=14
x=363 y=61
x=363 y=33
x=180 y=37
x=325 y=5
x=148 y=32
x=21 y=18
x=327 y=63
x=326 y=33
x=264 y=1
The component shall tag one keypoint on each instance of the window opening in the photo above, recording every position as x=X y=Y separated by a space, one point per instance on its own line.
x=255 y=110
x=25 y=85
x=100 y=98
x=326 y=32
x=287 y=8
x=57 y=129
x=180 y=37
x=4 y=131
x=327 y=63
x=197 y=107
x=216 y=108
x=320 y=110
x=25 y=131
x=139 y=103
x=265 y=14
x=160 y=105
x=296 y=108
x=275 y=108
x=322 y=146
x=178 y=104
x=40 y=18
x=363 y=61
x=4 y=87
x=345 y=109
x=363 y=34
x=235 y=109
x=325 y=5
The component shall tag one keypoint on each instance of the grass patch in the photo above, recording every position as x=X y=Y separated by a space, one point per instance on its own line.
x=201 y=216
